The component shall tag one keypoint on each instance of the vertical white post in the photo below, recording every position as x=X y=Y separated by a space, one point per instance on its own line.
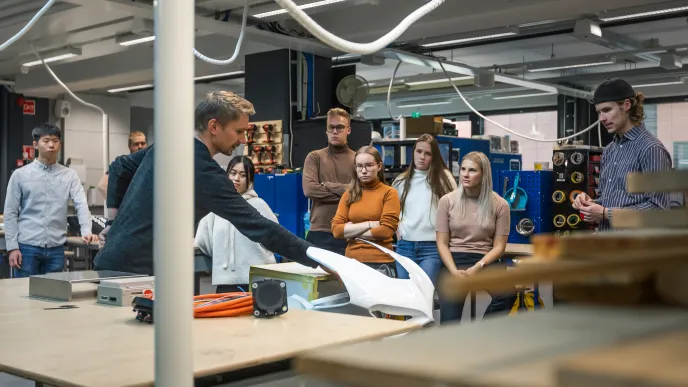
x=106 y=152
x=402 y=136
x=174 y=191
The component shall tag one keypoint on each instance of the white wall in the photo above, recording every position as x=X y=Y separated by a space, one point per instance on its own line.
x=532 y=151
x=672 y=119
x=83 y=134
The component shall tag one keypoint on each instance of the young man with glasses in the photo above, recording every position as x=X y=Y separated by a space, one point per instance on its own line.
x=327 y=173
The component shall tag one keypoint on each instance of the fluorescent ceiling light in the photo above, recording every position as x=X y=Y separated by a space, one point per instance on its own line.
x=222 y=75
x=572 y=66
x=660 y=84
x=489 y=34
x=523 y=96
x=134 y=39
x=440 y=80
x=201 y=78
x=643 y=14
x=130 y=88
x=303 y=6
x=54 y=56
x=424 y=104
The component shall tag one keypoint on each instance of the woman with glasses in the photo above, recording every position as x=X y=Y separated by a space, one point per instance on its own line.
x=472 y=230
x=369 y=209
x=420 y=188
x=233 y=253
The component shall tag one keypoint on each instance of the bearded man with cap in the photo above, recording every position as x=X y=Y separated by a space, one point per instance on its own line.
x=633 y=149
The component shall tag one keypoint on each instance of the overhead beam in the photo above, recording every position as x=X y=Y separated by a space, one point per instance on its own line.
x=219 y=27
x=460 y=68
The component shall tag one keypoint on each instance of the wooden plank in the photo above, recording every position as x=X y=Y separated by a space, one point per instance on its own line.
x=519 y=249
x=652 y=362
x=631 y=219
x=623 y=261
x=665 y=181
x=607 y=245
x=100 y=345
x=515 y=351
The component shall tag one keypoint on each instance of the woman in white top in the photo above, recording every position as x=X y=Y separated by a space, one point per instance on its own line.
x=420 y=188
x=233 y=254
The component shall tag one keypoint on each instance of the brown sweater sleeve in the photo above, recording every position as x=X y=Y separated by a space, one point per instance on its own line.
x=341 y=218
x=390 y=216
x=311 y=183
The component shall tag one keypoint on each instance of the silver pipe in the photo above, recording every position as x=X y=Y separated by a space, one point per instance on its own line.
x=174 y=192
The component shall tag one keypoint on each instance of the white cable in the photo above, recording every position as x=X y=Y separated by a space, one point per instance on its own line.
x=504 y=127
x=28 y=25
x=351 y=47
x=106 y=123
x=236 y=50
x=389 y=95
x=599 y=133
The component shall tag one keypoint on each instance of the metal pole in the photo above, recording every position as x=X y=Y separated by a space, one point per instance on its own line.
x=174 y=192
x=106 y=152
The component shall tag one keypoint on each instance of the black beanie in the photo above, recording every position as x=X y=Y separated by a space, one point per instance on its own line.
x=613 y=90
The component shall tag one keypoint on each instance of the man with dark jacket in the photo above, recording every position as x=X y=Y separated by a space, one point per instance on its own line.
x=221 y=122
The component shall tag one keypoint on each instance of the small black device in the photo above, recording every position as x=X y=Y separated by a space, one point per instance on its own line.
x=269 y=298
x=144 y=309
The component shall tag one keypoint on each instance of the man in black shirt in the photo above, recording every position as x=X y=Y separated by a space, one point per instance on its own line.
x=221 y=122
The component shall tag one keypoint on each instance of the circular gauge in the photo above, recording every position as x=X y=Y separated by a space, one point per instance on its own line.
x=573 y=220
x=525 y=227
x=576 y=177
x=576 y=158
x=559 y=221
x=557 y=233
x=566 y=233
x=558 y=196
x=558 y=159
x=574 y=195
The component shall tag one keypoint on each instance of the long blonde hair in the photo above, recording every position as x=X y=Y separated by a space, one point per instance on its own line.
x=355 y=189
x=486 y=205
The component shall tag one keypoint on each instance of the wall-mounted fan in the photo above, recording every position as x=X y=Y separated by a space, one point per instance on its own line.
x=352 y=91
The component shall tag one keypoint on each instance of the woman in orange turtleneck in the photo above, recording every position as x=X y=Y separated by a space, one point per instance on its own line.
x=369 y=210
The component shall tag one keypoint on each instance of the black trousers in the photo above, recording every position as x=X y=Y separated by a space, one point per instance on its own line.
x=453 y=311
x=327 y=241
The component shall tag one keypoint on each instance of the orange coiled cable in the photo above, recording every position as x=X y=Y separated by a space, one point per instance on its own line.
x=223 y=305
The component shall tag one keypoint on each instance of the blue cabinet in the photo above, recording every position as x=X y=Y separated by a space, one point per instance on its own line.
x=284 y=195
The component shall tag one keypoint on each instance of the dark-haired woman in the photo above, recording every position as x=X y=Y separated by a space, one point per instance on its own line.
x=420 y=188
x=369 y=210
x=233 y=253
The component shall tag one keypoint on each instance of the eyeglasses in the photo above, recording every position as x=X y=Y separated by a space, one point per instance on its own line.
x=367 y=167
x=335 y=128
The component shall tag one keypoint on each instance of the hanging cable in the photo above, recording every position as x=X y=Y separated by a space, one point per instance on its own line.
x=389 y=94
x=28 y=25
x=504 y=127
x=351 y=47
x=234 y=57
x=106 y=124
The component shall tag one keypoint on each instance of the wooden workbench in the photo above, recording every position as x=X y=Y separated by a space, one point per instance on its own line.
x=97 y=345
x=518 y=249
x=516 y=351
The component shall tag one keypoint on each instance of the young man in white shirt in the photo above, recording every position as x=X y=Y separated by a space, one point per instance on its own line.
x=36 y=208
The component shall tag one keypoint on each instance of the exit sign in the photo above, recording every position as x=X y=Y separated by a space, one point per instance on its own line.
x=415 y=115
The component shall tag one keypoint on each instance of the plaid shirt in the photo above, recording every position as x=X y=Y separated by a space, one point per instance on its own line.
x=635 y=151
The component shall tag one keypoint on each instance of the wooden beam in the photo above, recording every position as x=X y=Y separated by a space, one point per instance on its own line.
x=623 y=261
x=665 y=181
x=588 y=246
x=633 y=219
x=651 y=362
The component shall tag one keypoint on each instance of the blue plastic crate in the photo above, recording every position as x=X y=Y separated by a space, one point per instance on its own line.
x=539 y=187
